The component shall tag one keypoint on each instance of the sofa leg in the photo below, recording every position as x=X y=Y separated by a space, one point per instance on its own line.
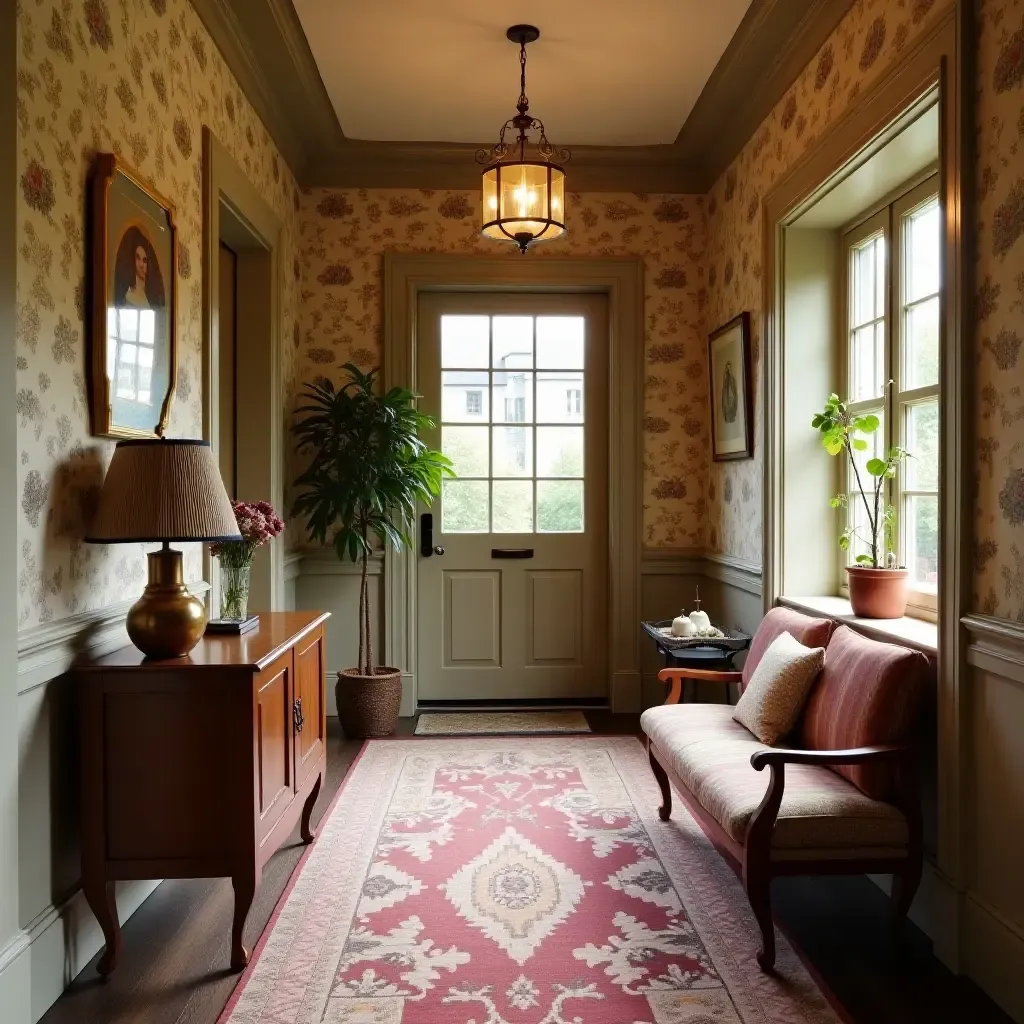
x=904 y=888
x=759 y=893
x=665 y=810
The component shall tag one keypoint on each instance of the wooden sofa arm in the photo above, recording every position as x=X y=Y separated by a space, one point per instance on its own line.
x=675 y=676
x=855 y=755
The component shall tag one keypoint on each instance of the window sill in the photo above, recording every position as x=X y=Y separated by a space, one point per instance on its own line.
x=916 y=633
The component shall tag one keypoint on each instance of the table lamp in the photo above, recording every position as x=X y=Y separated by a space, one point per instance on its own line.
x=164 y=490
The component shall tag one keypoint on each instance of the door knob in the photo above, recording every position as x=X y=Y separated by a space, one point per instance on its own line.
x=438 y=550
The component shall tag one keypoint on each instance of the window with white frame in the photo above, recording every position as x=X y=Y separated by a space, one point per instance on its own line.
x=474 y=403
x=892 y=285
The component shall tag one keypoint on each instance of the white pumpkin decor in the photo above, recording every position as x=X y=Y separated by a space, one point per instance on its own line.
x=682 y=626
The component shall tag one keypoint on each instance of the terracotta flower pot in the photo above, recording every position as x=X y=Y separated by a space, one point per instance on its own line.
x=368 y=705
x=877 y=593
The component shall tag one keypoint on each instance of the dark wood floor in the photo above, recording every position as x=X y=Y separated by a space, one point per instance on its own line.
x=173 y=967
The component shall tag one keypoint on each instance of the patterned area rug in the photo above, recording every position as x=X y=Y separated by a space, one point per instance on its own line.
x=505 y=723
x=469 y=881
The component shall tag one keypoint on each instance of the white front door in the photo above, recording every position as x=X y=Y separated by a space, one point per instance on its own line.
x=511 y=587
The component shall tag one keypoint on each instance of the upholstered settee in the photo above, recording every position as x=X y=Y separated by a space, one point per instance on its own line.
x=841 y=796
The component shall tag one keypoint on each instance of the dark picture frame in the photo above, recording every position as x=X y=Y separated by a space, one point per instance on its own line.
x=732 y=394
x=132 y=352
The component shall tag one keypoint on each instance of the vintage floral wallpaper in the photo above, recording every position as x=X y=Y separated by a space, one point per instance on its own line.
x=863 y=47
x=138 y=78
x=343 y=238
x=999 y=306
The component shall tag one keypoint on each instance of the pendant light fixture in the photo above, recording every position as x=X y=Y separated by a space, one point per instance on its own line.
x=523 y=187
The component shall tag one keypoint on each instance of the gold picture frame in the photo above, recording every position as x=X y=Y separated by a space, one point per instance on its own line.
x=132 y=357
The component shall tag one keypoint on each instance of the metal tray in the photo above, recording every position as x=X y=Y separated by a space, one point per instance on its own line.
x=733 y=640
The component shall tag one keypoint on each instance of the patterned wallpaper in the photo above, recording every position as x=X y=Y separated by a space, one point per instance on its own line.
x=138 y=78
x=343 y=237
x=999 y=576
x=863 y=47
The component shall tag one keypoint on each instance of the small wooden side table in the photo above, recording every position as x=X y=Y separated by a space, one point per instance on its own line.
x=709 y=658
x=200 y=767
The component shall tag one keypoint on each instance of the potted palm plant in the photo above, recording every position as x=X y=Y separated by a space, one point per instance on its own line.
x=878 y=584
x=368 y=470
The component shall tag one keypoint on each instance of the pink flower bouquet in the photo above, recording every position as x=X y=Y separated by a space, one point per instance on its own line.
x=258 y=524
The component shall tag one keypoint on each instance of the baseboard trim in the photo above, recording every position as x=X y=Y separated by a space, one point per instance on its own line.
x=627 y=695
x=16 y=980
x=993 y=953
x=54 y=956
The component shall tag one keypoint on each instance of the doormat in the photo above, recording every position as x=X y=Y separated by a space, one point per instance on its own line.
x=499 y=723
x=515 y=882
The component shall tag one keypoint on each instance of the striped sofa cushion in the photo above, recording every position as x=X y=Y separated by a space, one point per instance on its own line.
x=710 y=752
x=809 y=631
x=868 y=693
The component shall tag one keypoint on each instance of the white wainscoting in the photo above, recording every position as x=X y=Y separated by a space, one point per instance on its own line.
x=59 y=933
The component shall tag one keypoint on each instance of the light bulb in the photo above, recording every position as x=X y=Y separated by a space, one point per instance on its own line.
x=494 y=202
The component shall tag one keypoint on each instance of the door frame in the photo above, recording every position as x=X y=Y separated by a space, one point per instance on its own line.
x=405 y=278
x=234 y=212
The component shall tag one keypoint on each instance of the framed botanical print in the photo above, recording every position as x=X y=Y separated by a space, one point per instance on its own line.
x=132 y=339
x=732 y=406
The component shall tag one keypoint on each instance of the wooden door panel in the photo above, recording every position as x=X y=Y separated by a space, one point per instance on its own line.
x=309 y=688
x=554 y=618
x=274 y=741
x=472 y=612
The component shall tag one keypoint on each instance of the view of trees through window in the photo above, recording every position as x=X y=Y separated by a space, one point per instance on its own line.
x=519 y=450
x=893 y=365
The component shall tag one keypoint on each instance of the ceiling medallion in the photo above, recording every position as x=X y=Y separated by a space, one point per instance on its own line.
x=523 y=188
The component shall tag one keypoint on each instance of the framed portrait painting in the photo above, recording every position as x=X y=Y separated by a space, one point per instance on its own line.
x=132 y=359
x=732 y=407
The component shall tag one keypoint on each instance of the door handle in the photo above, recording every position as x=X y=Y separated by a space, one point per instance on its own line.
x=427 y=535
x=511 y=552
x=297 y=716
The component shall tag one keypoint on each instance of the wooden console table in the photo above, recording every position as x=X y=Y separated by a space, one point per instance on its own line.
x=200 y=767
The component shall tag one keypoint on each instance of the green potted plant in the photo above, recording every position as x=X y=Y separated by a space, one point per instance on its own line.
x=368 y=471
x=878 y=584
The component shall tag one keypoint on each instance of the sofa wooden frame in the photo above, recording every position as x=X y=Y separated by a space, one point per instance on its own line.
x=753 y=857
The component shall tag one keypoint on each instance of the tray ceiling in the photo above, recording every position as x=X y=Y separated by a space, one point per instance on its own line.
x=603 y=73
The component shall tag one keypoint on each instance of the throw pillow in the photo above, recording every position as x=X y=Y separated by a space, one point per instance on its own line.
x=869 y=694
x=772 y=700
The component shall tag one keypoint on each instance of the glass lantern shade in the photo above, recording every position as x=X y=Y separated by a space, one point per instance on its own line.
x=523 y=202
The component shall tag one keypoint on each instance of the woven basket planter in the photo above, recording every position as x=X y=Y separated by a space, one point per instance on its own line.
x=368 y=705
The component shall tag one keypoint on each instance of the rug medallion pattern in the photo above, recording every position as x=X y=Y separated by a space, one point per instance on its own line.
x=512 y=881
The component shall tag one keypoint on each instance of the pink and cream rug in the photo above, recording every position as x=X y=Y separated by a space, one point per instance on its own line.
x=514 y=881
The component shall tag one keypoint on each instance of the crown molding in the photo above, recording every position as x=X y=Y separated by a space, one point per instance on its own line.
x=265 y=48
x=775 y=41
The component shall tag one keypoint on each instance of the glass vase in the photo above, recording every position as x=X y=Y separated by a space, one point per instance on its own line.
x=234 y=590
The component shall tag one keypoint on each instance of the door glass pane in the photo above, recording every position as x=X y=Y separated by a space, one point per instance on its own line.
x=560 y=506
x=464 y=397
x=512 y=396
x=560 y=342
x=867 y=362
x=513 y=342
x=922 y=533
x=464 y=506
x=922 y=441
x=922 y=251
x=921 y=344
x=560 y=397
x=465 y=342
x=868 y=281
x=513 y=451
x=560 y=451
x=513 y=506
x=467 y=448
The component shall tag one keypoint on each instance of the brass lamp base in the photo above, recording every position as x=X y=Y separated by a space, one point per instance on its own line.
x=167 y=621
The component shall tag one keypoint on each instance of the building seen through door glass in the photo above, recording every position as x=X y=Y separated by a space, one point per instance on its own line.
x=512 y=422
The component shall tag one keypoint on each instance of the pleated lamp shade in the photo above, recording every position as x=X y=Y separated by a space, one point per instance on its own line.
x=163 y=490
